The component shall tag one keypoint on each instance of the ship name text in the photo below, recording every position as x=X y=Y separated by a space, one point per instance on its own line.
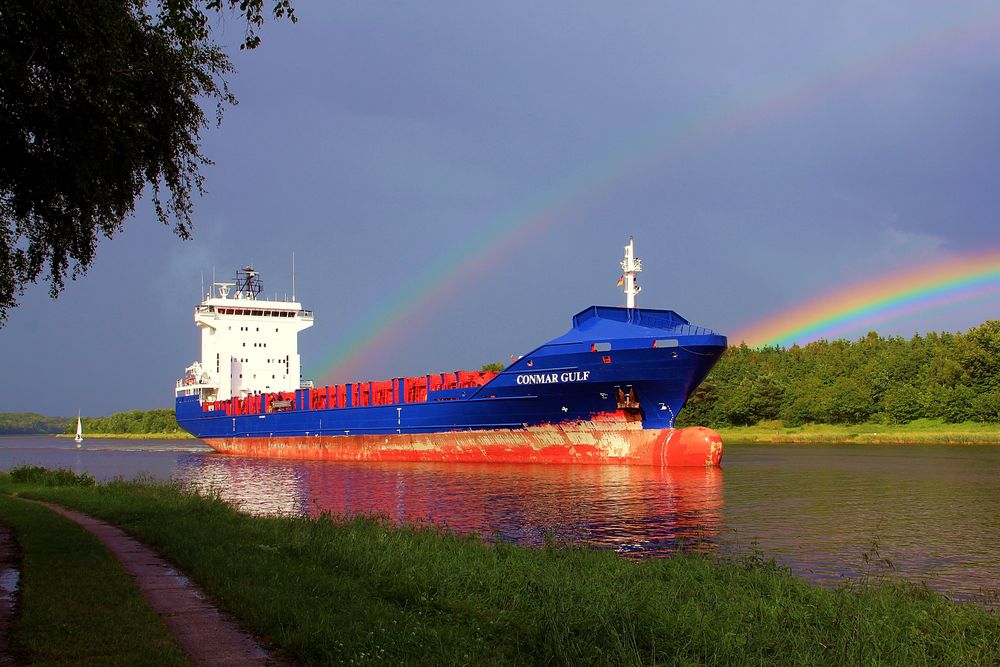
x=551 y=378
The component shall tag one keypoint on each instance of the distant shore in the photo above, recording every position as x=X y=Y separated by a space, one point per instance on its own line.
x=131 y=436
x=920 y=432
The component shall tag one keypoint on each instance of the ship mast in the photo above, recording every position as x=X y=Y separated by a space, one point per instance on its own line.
x=630 y=266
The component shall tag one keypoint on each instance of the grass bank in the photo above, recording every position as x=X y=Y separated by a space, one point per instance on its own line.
x=336 y=590
x=922 y=432
x=77 y=605
x=173 y=435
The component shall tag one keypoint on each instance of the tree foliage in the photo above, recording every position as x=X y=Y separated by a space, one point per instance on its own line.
x=949 y=376
x=99 y=100
x=135 y=421
x=30 y=423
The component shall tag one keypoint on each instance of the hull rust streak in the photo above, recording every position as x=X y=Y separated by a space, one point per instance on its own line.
x=563 y=443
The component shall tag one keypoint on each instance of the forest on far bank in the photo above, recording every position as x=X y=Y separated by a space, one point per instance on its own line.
x=32 y=423
x=160 y=420
x=139 y=422
x=954 y=377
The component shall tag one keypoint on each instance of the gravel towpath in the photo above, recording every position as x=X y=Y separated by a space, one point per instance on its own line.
x=207 y=635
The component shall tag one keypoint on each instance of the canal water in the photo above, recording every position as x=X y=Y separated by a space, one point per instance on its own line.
x=832 y=513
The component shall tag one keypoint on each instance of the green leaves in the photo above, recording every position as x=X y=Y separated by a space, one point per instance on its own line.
x=955 y=377
x=100 y=99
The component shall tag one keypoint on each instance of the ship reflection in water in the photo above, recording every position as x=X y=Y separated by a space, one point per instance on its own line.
x=636 y=510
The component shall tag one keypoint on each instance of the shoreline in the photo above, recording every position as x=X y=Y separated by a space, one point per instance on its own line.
x=131 y=436
x=921 y=432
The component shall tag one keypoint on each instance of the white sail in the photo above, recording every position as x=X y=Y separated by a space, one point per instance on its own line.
x=79 y=430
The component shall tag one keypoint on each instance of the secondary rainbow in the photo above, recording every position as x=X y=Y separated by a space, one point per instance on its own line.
x=880 y=299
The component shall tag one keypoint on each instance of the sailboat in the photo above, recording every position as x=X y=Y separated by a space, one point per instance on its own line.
x=79 y=430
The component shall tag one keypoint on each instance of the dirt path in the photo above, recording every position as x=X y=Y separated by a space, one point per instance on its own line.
x=207 y=635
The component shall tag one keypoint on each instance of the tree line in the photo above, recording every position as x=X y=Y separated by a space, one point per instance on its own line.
x=954 y=377
x=156 y=421
x=161 y=420
x=32 y=423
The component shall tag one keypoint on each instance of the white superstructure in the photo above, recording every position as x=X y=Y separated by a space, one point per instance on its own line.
x=248 y=344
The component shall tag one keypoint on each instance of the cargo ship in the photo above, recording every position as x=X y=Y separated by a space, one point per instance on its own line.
x=606 y=392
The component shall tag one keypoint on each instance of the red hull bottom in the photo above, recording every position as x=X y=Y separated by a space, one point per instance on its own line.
x=607 y=441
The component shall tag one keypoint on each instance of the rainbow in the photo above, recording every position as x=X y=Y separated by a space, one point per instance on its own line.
x=409 y=308
x=879 y=299
x=398 y=315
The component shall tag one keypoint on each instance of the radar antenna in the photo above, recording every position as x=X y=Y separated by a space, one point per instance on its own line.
x=248 y=283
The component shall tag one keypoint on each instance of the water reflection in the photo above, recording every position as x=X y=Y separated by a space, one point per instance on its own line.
x=258 y=486
x=637 y=511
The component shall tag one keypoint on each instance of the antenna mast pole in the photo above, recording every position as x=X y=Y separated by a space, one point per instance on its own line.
x=631 y=266
x=293 y=276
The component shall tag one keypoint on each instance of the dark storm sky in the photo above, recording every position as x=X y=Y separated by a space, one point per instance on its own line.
x=464 y=176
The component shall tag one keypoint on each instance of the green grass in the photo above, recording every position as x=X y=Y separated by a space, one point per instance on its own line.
x=331 y=590
x=77 y=605
x=921 y=431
